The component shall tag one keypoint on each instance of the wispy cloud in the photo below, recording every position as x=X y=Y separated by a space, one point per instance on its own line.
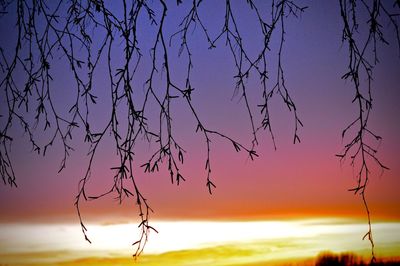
x=200 y=243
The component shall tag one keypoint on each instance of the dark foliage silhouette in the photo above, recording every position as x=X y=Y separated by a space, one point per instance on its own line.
x=46 y=31
x=349 y=259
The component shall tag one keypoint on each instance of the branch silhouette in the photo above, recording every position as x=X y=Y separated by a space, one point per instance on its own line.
x=360 y=150
x=83 y=34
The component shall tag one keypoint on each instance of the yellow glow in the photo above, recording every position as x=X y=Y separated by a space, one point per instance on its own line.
x=204 y=243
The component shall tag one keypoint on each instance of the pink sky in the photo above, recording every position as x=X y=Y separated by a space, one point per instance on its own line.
x=299 y=180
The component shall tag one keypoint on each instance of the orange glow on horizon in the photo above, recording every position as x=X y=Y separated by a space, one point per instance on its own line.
x=185 y=242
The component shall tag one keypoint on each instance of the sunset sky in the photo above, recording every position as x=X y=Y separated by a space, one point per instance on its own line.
x=303 y=185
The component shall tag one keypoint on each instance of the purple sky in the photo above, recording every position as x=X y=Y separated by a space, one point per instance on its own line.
x=305 y=179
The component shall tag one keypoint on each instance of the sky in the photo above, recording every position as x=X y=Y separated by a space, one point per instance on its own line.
x=294 y=182
x=195 y=242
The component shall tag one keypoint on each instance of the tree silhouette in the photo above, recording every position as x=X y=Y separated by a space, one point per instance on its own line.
x=88 y=34
x=347 y=259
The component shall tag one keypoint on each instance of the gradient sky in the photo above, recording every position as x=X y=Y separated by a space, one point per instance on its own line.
x=199 y=243
x=302 y=180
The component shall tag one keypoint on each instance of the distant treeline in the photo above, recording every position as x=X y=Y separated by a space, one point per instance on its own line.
x=350 y=259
